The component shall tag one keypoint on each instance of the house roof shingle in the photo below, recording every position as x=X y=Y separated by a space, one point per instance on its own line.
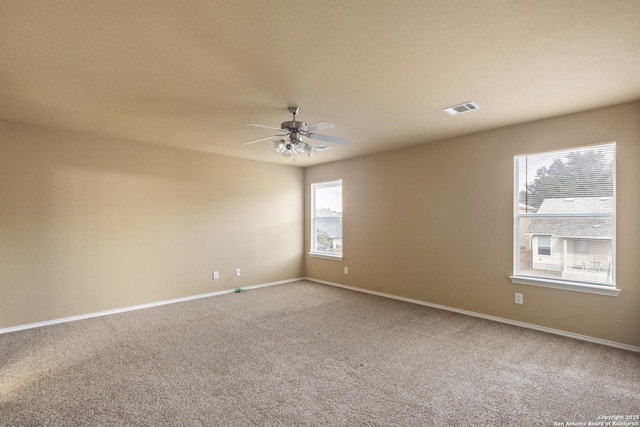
x=594 y=228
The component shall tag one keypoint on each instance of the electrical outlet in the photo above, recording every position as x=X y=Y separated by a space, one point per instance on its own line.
x=216 y=275
x=238 y=272
x=346 y=270
x=519 y=298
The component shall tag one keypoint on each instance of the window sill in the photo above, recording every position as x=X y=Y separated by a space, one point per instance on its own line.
x=326 y=256
x=566 y=286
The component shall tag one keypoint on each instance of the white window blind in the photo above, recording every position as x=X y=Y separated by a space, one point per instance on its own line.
x=565 y=216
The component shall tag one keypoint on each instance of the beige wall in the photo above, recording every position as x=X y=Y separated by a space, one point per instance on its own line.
x=90 y=224
x=435 y=223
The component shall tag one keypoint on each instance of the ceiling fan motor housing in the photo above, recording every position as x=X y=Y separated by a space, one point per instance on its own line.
x=292 y=125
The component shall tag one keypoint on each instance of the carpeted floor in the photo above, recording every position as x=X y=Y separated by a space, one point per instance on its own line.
x=307 y=354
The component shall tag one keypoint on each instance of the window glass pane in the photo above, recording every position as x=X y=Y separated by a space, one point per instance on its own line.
x=565 y=217
x=544 y=245
x=327 y=217
x=584 y=175
x=581 y=246
x=544 y=241
x=561 y=255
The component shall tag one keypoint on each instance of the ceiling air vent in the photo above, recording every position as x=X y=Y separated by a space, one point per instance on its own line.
x=461 y=108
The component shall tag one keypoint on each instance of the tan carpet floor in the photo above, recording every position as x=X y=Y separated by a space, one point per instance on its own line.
x=307 y=354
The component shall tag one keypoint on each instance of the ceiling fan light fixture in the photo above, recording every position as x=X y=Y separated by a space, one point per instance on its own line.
x=279 y=146
x=288 y=150
x=300 y=146
x=310 y=150
x=294 y=130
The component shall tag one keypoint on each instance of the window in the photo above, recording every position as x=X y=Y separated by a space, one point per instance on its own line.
x=564 y=224
x=326 y=219
x=581 y=246
x=544 y=245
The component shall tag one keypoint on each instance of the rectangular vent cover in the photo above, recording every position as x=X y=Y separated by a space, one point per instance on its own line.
x=461 y=108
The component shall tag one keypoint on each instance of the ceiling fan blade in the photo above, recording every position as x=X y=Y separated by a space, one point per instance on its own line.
x=263 y=139
x=267 y=127
x=315 y=127
x=328 y=138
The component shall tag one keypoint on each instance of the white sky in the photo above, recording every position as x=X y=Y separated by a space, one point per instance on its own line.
x=329 y=197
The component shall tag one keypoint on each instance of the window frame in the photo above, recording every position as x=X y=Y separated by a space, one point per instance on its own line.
x=548 y=282
x=313 y=252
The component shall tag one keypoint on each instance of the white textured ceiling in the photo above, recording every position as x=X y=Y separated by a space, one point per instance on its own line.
x=191 y=73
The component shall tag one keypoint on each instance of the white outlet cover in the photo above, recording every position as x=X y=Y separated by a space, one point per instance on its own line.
x=519 y=298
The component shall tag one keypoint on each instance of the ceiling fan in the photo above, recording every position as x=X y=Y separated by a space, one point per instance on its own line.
x=295 y=130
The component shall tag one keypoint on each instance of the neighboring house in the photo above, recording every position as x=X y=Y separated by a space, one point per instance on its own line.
x=525 y=237
x=330 y=223
x=573 y=248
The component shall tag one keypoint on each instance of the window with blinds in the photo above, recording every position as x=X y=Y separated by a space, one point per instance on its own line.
x=326 y=219
x=565 y=217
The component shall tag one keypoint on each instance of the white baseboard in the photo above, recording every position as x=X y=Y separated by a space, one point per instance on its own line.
x=486 y=316
x=138 y=307
x=339 y=285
